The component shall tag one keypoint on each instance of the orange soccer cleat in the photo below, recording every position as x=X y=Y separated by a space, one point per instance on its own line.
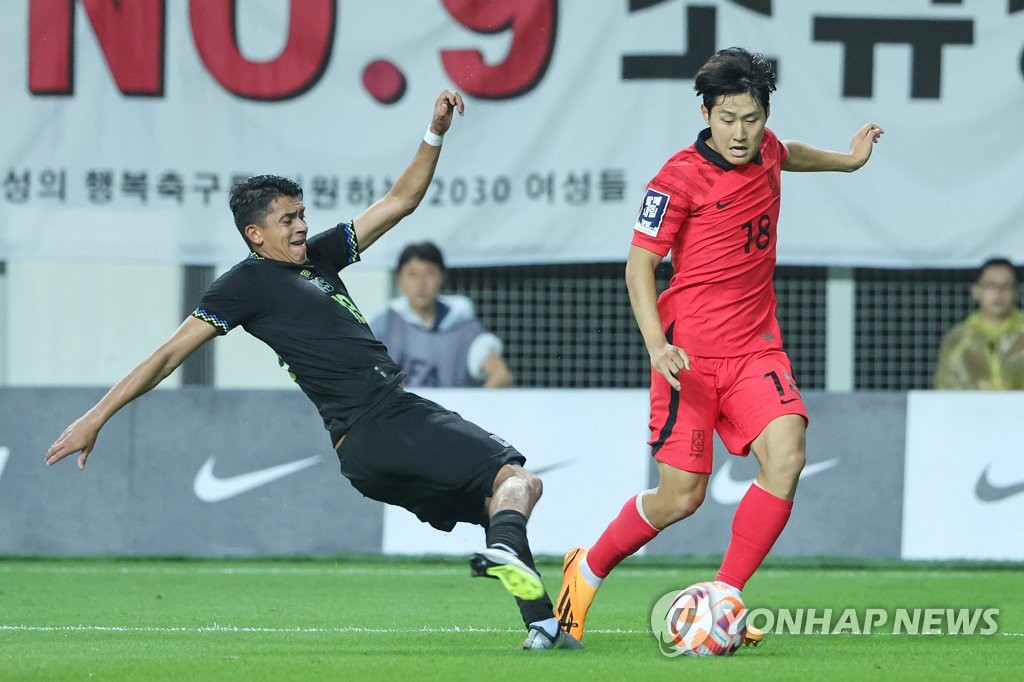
x=753 y=636
x=576 y=595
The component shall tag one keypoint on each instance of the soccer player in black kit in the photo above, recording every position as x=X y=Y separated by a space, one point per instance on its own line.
x=393 y=446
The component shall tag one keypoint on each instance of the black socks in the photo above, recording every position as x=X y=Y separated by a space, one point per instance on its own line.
x=507 y=531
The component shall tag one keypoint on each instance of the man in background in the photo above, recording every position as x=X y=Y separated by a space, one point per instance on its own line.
x=986 y=350
x=436 y=338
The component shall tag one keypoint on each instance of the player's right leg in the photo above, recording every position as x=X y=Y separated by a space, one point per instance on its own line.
x=577 y=592
x=679 y=422
x=679 y=494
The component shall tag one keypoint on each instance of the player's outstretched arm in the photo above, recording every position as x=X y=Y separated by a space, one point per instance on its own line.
x=804 y=157
x=667 y=359
x=407 y=192
x=81 y=435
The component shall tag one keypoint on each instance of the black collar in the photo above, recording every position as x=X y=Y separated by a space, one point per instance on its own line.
x=714 y=157
x=255 y=256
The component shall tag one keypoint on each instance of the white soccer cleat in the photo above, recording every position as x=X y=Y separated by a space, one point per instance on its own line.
x=538 y=639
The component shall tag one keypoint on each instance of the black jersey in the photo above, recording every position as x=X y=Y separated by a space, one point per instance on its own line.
x=305 y=314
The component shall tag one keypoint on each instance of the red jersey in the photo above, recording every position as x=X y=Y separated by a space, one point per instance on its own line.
x=719 y=222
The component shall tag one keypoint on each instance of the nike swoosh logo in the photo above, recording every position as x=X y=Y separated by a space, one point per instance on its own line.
x=210 y=488
x=724 y=204
x=725 y=489
x=5 y=452
x=788 y=400
x=985 y=491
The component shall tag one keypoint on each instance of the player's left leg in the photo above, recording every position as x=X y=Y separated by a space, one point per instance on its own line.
x=509 y=559
x=764 y=415
x=763 y=512
x=765 y=509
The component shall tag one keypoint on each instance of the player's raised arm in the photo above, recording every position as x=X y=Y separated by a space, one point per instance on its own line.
x=407 y=192
x=81 y=435
x=804 y=157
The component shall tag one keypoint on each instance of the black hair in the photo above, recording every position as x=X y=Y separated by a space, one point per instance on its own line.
x=427 y=251
x=250 y=200
x=735 y=71
x=996 y=262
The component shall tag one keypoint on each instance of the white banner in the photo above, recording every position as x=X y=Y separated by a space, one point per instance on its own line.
x=126 y=122
x=964 y=479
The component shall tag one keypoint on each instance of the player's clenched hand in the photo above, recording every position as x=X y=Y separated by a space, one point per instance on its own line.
x=448 y=102
x=864 y=141
x=669 y=360
x=80 y=436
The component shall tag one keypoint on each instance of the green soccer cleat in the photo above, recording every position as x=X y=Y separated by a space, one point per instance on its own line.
x=518 y=578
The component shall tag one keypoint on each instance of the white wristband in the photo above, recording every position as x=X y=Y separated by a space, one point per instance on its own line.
x=432 y=138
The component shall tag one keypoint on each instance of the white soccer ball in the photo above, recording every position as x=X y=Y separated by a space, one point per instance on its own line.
x=705 y=619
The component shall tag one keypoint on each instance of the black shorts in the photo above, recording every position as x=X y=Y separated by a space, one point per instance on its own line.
x=413 y=453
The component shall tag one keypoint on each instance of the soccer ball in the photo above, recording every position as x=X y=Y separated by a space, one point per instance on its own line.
x=705 y=619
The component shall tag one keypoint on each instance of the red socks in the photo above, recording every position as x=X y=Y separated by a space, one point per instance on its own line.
x=759 y=520
x=758 y=523
x=627 y=533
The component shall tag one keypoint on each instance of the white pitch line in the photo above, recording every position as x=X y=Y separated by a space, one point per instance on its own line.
x=234 y=628
x=28 y=568
x=398 y=631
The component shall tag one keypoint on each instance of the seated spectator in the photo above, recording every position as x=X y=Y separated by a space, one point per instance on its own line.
x=986 y=350
x=436 y=338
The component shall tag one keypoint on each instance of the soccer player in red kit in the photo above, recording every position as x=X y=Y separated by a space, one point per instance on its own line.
x=716 y=351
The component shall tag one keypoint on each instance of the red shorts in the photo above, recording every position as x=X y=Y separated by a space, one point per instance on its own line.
x=738 y=397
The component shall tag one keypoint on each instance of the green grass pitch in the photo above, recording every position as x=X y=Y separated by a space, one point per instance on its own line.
x=382 y=619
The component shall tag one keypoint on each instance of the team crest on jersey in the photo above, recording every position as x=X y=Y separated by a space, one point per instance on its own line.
x=652 y=210
x=319 y=282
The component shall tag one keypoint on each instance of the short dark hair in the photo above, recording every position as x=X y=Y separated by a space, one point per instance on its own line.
x=735 y=71
x=427 y=251
x=996 y=262
x=250 y=200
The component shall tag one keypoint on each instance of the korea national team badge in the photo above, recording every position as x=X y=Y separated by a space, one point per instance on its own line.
x=651 y=212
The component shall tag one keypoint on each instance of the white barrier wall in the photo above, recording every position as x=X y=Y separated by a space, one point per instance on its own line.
x=204 y=472
x=964 y=486
x=86 y=324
